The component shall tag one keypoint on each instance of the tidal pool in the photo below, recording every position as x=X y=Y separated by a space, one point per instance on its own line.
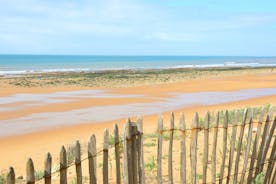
x=46 y=120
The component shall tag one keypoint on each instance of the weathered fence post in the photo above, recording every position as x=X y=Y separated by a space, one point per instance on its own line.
x=117 y=153
x=273 y=178
x=249 y=138
x=11 y=176
x=255 y=146
x=159 y=150
x=206 y=146
x=130 y=153
x=225 y=127
x=170 y=154
x=105 y=157
x=30 y=172
x=182 y=148
x=193 y=149
x=128 y=169
x=63 y=166
x=92 y=160
x=48 y=168
x=239 y=147
x=140 y=151
x=271 y=163
x=232 y=145
x=214 y=152
x=262 y=145
x=268 y=140
x=134 y=152
x=78 y=162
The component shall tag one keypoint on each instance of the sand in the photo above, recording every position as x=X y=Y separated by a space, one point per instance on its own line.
x=16 y=149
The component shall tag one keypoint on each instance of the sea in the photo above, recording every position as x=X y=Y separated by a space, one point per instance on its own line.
x=24 y=64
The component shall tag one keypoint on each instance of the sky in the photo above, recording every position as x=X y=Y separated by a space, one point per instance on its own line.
x=138 y=27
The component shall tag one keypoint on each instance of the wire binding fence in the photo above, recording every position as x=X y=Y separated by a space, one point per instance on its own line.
x=134 y=170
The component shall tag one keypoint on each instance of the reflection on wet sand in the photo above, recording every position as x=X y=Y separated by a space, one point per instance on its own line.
x=44 y=120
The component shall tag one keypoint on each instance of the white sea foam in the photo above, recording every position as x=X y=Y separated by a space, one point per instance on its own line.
x=218 y=65
x=65 y=70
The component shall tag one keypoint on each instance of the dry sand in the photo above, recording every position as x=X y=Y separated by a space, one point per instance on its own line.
x=16 y=149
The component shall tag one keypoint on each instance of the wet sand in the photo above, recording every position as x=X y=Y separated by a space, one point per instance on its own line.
x=109 y=112
x=35 y=144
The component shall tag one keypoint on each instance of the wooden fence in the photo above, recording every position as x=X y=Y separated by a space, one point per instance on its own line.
x=235 y=164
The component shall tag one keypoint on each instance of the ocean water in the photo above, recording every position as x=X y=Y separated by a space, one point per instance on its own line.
x=22 y=64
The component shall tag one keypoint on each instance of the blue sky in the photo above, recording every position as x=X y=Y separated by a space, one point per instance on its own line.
x=144 y=27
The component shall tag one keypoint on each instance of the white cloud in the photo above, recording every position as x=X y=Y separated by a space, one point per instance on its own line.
x=51 y=25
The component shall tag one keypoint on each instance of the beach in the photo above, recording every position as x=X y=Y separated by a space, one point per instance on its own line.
x=137 y=92
x=69 y=109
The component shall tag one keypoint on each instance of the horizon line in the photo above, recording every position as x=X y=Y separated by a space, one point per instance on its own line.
x=134 y=55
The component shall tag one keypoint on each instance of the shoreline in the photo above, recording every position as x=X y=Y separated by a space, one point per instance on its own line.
x=104 y=63
x=24 y=73
x=237 y=66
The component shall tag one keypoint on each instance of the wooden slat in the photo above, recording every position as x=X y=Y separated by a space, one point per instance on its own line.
x=267 y=144
x=248 y=146
x=117 y=153
x=271 y=163
x=232 y=145
x=273 y=178
x=262 y=145
x=134 y=152
x=48 y=168
x=225 y=127
x=105 y=157
x=194 y=148
x=182 y=149
x=239 y=147
x=128 y=175
x=140 y=152
x=271 y=111
x=78 y=162
x=214 y=150
x=30 y=179
x=206 y=147
x=63 y=166
x=159 y=150
x=11 y=176
x=170 y=154
x=92 y=160
x=255 y=146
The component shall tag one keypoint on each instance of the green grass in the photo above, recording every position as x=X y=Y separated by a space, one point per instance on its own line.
x=2 y=179
x=70 y=150
x=198 y=176
x=166 y=136
x=201 y=122
x=231 y=115
x=267 y=107
x=74 y=181
x=151 y=164
x=111 y=142
x=259 y=179
x=150 y=135
x=39 y=174
x=111 y=139
x=149 y=144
